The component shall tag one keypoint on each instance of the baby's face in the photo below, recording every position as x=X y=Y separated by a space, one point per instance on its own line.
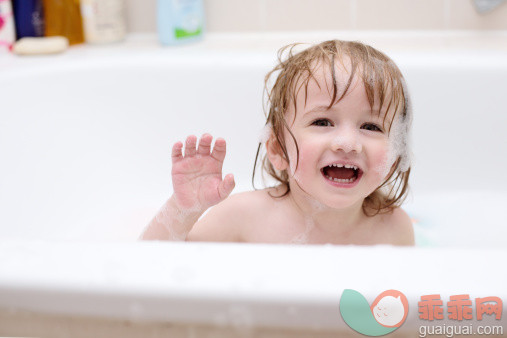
x=344 y=150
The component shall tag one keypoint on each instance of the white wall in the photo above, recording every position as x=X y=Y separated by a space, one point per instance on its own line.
x=276 y=15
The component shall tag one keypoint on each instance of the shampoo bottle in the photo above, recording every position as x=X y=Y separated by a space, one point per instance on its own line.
x=180 y=21
x=7 y=32
x=29 y=18
x=63 y=18
x=103 y=20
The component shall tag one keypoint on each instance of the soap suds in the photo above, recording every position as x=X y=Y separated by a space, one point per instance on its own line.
x=167 y=214
x=265 y=133
x=316 y=207
x=302 y=238
x=347 y=143
x=399 y=139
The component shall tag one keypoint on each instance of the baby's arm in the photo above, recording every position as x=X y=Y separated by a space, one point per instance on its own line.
x=170 y=223
x=198 y=185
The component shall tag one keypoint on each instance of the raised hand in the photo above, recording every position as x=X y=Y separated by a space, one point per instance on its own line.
x=197 y=174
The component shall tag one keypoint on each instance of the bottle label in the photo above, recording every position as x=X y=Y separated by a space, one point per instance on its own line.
x=189 y=19
x=103 y=20
x=7 y=33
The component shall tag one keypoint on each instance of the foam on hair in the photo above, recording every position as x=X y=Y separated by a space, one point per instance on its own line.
x=404 y=140
x=265 y=133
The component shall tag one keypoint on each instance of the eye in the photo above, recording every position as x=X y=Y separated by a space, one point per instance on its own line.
x=371 y=126
x=322 y=123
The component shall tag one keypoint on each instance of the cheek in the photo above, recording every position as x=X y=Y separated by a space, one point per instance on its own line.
x=308 y=155
x=382 y=160
x=293 y=156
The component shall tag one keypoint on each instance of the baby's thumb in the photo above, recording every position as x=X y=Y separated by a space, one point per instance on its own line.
x=226 y=186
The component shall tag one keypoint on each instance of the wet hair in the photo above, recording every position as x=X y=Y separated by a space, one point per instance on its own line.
x=382 y=81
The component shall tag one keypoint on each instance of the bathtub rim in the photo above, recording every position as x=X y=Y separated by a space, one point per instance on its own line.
x=52 y=282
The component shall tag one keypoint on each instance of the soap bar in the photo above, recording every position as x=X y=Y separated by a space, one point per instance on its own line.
x=42 y=45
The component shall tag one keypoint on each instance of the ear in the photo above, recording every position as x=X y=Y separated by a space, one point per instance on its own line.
x=275 y=154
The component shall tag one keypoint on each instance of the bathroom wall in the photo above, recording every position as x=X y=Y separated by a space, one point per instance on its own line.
x=280 y=15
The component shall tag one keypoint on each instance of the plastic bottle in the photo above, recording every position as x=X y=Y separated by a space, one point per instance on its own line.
x=29 y=18
x=63 y=18
x=103 y=20
x=7 y=32
x=180 y=21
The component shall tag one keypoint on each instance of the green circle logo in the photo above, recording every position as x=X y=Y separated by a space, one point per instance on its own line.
x=387 y=312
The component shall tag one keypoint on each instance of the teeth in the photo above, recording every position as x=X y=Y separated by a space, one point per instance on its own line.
x=349 y=166
x=350 y=180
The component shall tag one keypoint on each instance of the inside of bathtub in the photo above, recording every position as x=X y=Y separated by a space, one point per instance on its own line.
x=458 y=219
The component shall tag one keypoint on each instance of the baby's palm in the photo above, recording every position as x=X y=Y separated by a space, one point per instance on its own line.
x=197 y=176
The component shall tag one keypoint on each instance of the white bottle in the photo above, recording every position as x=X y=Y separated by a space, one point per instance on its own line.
x=7 y=31
x=103 y=20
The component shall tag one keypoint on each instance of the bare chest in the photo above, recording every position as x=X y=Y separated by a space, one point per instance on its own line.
x=281 y=226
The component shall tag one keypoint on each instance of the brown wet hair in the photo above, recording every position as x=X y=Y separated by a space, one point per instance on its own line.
x=382 y=80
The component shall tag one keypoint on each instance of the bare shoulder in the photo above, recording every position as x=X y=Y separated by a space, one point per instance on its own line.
x=401 y=227
x=227 y=220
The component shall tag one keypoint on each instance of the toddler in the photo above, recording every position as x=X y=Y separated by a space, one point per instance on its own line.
x=336 y=140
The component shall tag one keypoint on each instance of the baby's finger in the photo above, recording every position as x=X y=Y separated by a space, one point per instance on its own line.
x=204 y=144
x=226 y=186
x=177 y=151
x=190 y=145
x=219 y=150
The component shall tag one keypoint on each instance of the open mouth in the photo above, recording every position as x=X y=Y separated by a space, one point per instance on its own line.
x=342 y=173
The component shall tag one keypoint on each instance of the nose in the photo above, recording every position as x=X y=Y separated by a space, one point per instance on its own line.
x=347 y=140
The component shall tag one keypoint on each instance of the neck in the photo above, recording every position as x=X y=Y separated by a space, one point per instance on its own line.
x=322 y=218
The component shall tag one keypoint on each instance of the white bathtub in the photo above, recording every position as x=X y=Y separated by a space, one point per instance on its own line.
x=85 y=142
